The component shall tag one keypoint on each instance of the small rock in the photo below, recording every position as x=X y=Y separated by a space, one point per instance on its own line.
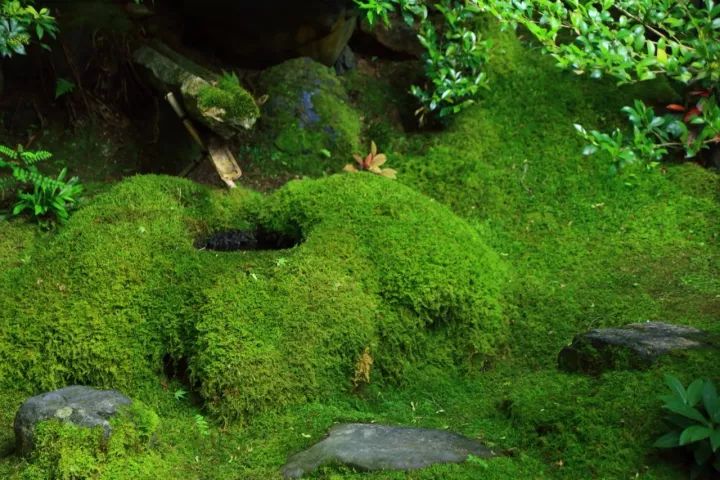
x=633 y=346
x=82 y=406
x=398 y=37
x=378 y=447
x=346 y=61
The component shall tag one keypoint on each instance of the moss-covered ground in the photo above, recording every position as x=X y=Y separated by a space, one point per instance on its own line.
x=575 y=248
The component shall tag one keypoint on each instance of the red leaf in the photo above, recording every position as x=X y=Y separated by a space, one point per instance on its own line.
x=700 y=93
x=674 y=107
x=692 y=113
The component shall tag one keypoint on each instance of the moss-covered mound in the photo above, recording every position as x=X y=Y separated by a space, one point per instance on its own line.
x=308 y=117
x=122 y=290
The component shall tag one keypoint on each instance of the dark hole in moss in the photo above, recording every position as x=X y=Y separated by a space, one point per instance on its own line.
x=259 y=239
x=176 y=369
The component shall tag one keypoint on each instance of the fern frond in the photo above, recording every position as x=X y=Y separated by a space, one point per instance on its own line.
x=32 y=158
x=8 y=152
x=6 y=185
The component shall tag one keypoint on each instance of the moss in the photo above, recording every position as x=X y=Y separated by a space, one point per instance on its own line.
x=585 y=250
x=308 y=119
x=400 y=283
x=121 y=287
x=229 y=96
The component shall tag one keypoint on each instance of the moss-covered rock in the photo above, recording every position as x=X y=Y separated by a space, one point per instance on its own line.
x=65 y=451
x=307 y=117
x=122 y=286
x=218 y=101
x=228 y=102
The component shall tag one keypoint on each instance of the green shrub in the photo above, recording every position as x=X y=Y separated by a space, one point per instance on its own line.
x=19 y=22
x=694 y=417
x=454 y=61
x=49 y=196
x=633 y=41
x=455 y=53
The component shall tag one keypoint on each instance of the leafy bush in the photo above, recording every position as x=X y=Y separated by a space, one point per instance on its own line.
x=455 y=54
x=19 y=20
x=632 y=41
x=695 y=421
x=49 y=196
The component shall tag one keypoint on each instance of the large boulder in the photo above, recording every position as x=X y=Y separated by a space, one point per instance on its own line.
x=268 y=32
x=379 y=447
x=308 y=113
x=637 y=345
x=81 y=406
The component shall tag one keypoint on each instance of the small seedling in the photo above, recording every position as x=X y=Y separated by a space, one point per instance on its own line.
x=372 y=162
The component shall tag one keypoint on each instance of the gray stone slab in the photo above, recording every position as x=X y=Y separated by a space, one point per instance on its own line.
x=83 y=406
x=636 y=345
x=380 y=447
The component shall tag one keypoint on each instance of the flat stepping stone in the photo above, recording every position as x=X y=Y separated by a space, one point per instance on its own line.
x=380 y=447
x=82 y=406
x=633 y=346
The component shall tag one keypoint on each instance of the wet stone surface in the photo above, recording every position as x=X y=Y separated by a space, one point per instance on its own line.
x=379 y=447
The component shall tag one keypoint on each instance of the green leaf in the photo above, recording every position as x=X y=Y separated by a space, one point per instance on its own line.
x=694 y=392
x=669 y=440
x=677 y=406
x=63 y=87
x=711 y=401
x=694 y=434
x=715 y=440
x=676 y=387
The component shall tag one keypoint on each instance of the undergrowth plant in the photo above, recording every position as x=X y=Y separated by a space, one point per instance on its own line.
x=20 y=22
x=455 y=54
x=634 y=41
x=694 y=420
x=372 y=162
x=43 y=196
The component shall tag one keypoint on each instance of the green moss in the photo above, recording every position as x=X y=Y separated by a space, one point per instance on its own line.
x=122 y=286
x=585 y=249
x=227 y=94
x=399 y=283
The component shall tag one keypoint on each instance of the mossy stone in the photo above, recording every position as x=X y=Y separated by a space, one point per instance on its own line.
x=68 y=451
x=308 y=117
